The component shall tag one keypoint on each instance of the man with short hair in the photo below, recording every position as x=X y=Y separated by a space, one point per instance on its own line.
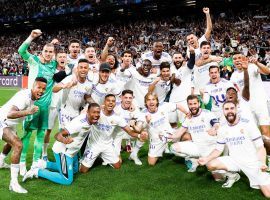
x=11 y=114
x=40 y=66
x=75 y=97
x=202 y=127
x=100 y=142
x=65 y=149
x=246 y=151
x=192 y=39
x=74 y=48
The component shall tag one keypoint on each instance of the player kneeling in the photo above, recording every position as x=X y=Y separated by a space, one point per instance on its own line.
x=246 y=151
x=202 y=126
x=65 y=149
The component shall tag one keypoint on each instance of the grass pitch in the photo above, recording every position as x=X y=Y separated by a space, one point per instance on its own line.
x=169 y=179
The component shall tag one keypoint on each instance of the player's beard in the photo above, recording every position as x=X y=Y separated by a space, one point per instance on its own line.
x=230 y=117
x=194 y=111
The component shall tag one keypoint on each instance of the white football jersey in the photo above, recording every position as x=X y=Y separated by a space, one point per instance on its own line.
x=78 y=129
x=257 y=92
x=99 y=91
x=217 y=91
x=102 y=131
x=165 y=57
x=73 y=98
x=159 y=122
x=198 y=126
x=22 y=100
x=198 y=50
x=241 y=139
x=201 y=76
x=180 y=93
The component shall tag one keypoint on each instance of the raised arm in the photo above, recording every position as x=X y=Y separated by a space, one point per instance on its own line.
x=208 y=23
x=23 y=48
x=245 y=92
x=105 y=51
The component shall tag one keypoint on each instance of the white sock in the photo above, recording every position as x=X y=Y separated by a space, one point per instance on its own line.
x=2 y=157
x=137 y=147
x=230 y=174
x=14 y=170
x=44 y=149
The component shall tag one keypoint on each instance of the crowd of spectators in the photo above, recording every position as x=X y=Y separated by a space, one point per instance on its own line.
x=246 y=31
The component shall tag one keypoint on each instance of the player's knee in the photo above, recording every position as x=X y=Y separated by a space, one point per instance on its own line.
x=211 y=166
x=186 y=137
x=152 y=161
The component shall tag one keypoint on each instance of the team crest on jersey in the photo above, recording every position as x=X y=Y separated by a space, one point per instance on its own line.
x=242 y=131
x=106 y=89
x=202 y=120
x=162 y=113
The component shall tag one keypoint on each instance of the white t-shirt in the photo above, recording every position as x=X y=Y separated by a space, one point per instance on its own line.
x=180 y=93
x=165 y=57
x=78 y=128
x=217 y=92
x=99 y=91
x=22 y=100
x=198 y=126
x=138 y=84
x=241 y=140
x=197 y=50
x=257 y=92
x=73 y=98
x=159 y=122
x=201 y=76
x=102 y=131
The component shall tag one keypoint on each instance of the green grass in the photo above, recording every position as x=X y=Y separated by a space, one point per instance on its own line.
x=167 y=180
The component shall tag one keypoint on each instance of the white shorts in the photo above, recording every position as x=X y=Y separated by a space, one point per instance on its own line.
x=194 y=150
x=2 y=126
x=106 y=151
x=156 y=148
x=65 y=117
x=252 y=171
x=118 y=141
x=53 y=114
x=261 y=114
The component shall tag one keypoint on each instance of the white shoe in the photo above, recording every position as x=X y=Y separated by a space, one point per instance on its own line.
x=23 y=169
x=193 y=165
x=31 y=174
x=4 y=165
x=231 y=180
x=135 y=159
x=16 y=187
x=104 y=163
x=41 y=164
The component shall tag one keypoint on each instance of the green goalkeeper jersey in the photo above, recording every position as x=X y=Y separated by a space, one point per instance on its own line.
x=38 y=69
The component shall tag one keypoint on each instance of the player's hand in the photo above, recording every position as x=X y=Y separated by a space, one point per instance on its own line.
x=191 y=49
x=55 y=41
x=244 y=62
x=253 y=60
x=148 y=118
x=35 y=33
x=202 y=92
x=202 y=161
x=264 y=167
x=68 y=140
x=206 y=10
x=33 y=110
x=157 y=80
x=188 y=115
x=212 y=132
x=110 y=41
x=217 y=59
